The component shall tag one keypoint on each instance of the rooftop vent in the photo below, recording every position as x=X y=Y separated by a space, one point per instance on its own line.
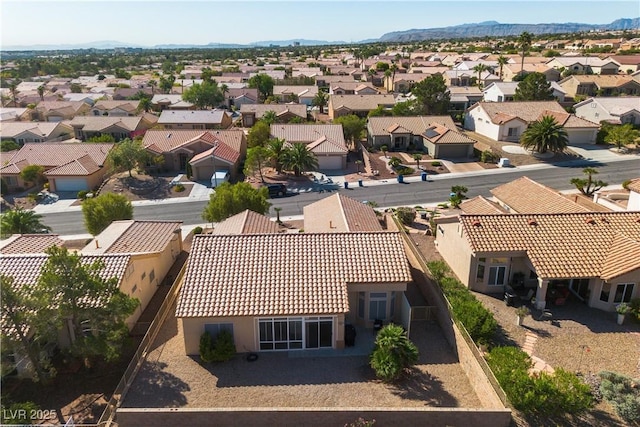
x=476 y=223
x=532 y=221
x=590 y=221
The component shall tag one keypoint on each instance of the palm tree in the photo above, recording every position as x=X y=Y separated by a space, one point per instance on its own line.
x=393 y=68
x=525 y=40
x=21 y=221
x=417 y=157
x=41 y=92
x=145 y=104
x=299 y=159
x=276 y=147
x=480 y=68
x=320 y=100
x=153 y=85
x=502 y=61
x=545 y=135
x=13 y=88
x=622 y=135
x=269 y=117
x=589 y=185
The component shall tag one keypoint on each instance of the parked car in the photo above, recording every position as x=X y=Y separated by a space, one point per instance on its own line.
x=277 y=190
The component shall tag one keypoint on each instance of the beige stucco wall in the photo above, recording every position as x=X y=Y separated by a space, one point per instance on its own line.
x=597 y=285
x=455 y=250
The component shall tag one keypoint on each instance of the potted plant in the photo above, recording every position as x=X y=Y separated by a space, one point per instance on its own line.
x=622 y=309
x=522 y=312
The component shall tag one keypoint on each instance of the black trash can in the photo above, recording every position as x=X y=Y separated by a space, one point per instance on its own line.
x=510 y=298
x=349 y=335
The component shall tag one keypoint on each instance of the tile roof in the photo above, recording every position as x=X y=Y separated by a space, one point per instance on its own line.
x=529 y=111
x=338 y=213
x=309 y=91
x=299 y=110
x=133 y=236
x=564 y=245
x=619 y=260
x=29 y=243
x=51 y=106
x=285 y=274
x=603 y=81
x=100 y=123
x=125 y=105
x=325 y=146
x=161 y=141
x=614 y=105
x=171 y=99
x=192 y=116
x=417 y=125
x=246 y=222
x=79 y=167
x=525 y=195
x=634 y=185
x=11 y=129
x=440 y=134
x=307 y=133
x=481 y=206
x=52 y=155
x=360 y=102
x=220 y=150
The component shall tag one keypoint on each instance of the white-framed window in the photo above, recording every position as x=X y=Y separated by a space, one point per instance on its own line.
x=623 y=292
x=498 y=271
x=512 y=132
x=377 y=305
x=292 y=333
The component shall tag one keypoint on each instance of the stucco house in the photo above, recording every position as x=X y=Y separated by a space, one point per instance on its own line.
x=436 y=134
x=68 y=167
x=251 y=113
x=585 y=253
x=325 y=141
x=118 y=127
x=584 y=65
x=10 y=114
x=137 y=253
x=597 y=85
x=123 y=108
x=236 y=97
x=512 y=70
x=24 y=132
x=161 y=102
x=352 y=88
x=505 y=91
x=203 y=150
x=195 y=119
x=57 y=111
x=339 y=214
x=298 y=94
x=299 y=296
x=616 y=110
x=507 y=121
x=359 y=105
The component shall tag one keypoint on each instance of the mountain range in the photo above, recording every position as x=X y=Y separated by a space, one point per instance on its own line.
x=482 y=29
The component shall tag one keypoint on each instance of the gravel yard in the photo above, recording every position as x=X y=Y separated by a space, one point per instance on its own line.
x=171 y=379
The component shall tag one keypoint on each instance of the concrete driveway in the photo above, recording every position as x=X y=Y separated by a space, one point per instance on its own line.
x=454 y=166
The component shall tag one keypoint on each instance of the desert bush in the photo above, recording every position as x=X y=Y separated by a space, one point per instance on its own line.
x=406 y=215
x=178 y=188
x=623 y=393
x=206 y=347
x=625 y=184
x=197 y=230
x=405 y=171
x=224 y=347
x=487 y=157
x=436 y=164
x=393 y=353
x=82 y=194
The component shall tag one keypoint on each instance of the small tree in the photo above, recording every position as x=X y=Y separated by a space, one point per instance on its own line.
x=394 y=162
x=8 y=145
x=127 y=155
x=458 y=194
x=534 y=87
x=417 y=157
x=406 y=215
x=269 y=117
x=384 y=150
x=352 y=127
x=275 y=148
x=33 y=174
x=257 y=158
x=622 y=135
x=588 y=185
x=103 y=137
x=101 y=211
x=320 y=100
x=230 y=199
x=259 y=134
x=393 y=353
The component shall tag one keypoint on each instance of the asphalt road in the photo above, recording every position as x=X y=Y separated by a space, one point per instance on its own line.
x=408 y=194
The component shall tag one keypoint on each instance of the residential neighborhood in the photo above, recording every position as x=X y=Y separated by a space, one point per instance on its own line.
x=409 y=230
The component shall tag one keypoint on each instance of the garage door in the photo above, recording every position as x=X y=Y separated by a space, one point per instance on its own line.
x=71 y=184
x=330 y=162
x=446 y=151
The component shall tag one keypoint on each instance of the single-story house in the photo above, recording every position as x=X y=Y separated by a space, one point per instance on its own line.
x=600 y=85
x=468 y=78
x=616 y=110
x=200 y=149
x=360 y=105
x=23 y=132
x=512 y=70
x=584 y=65
x=325 y=141
x=462 y=97
x=506 y=121
x=505 y=91
x=57 y=111
x=246 y=222
x=301 y=293
x=118 y=127
x=124 y=93
x=326 y=81
x=339 y=214
x=10 y=114
x=251 y=113
x=195 y=119
x=138 y=253
x=236 y=97
x=116 y=108
x=403 y=82
x=298 y=94
x=161 y=102
x=584 y=253
x=436 y=134
x=352 y=88
x=628 y=63
x=68 y=167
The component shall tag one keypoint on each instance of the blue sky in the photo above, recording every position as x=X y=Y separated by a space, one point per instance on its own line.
x=147 y=23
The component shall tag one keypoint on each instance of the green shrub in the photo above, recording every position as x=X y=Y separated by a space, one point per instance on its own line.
x=406 y=215
x=33 y=197
x=206 y=347
x=178 y=188
x=625 y=184
x=197 y=230
x=393 y=353
x=224 y=348
x=622 y=393
x=405 y=171
x=487 y=156
x=436 y=164
x=82 y=194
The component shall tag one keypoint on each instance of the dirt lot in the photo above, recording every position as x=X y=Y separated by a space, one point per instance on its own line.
x=155 y=187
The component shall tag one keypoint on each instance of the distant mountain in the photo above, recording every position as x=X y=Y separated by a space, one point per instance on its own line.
x=302 y=42
x=104 y=44
x=496 y=29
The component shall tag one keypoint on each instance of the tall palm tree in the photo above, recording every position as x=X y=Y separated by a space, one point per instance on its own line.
x=480 y=68
x=545 y=135
x=525 y=40
x=41 y=92
x=153 y=85
x=299 y=159
x=269 y=117
x=13 y=88
x=145 y=104
x=276 y=146
x=502 y=61
x=21 y=221
x=320 y=100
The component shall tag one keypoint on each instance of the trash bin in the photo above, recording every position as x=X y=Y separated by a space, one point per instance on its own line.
x=510 y=297
x=360 y=183
x=400 y=179
x=423 y=215
x=346 y=184
x=349 y=335
x=423 y=176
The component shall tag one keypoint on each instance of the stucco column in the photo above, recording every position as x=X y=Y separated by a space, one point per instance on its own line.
x=541 y=293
